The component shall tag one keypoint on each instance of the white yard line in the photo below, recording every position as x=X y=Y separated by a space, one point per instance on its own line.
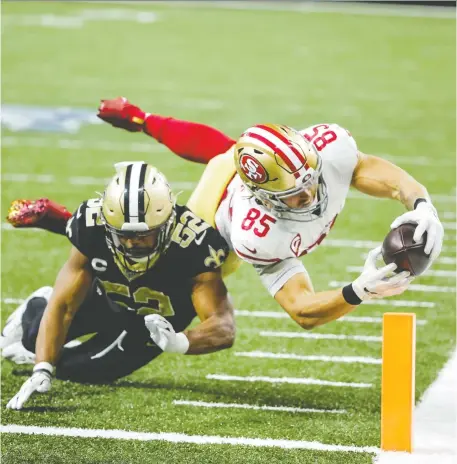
x=182 y=438
x=434 y=426
x=439 y=260
x=401 y=303
x=8 y=227
x=290 y=380
x=204 y=404
x=17 y=301
x=283 y=315
x=275 y=314
x=71 y=144
x=345 y=243
x=449 y=225
x=266 y=314
x=299 y=357
x=436 y=197
x=77 y=180
x=413 y=287
x=446 y=260
x=448 y=215
x=142 y=148
x=318 y=336
x=430 y=273
x=371 y=320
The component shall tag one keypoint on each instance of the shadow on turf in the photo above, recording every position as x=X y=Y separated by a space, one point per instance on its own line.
x=266 y=395
x=49 y=409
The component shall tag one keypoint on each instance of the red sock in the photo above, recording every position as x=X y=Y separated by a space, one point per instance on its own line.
x=189 y=140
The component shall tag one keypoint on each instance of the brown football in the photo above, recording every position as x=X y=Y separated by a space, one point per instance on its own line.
x=398 y=247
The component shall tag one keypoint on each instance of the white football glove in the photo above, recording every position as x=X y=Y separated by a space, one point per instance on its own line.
x=40 y=382
x=164 y=336
x=426 y=218
x=374 y=283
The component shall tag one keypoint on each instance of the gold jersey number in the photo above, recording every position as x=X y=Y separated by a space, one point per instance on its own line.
x=141 y=295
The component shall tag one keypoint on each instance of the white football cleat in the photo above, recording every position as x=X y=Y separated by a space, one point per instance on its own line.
x=18 y=354
x=12 y=332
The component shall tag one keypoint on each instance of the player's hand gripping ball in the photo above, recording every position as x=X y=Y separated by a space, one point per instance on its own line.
x=399 y=248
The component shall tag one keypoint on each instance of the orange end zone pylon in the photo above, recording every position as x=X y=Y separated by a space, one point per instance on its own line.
x=398 y=381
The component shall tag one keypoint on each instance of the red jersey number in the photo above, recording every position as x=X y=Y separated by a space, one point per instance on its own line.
x=323 y=140
x=252 y=217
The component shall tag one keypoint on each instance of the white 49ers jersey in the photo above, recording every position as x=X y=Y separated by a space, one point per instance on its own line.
x=273 y=245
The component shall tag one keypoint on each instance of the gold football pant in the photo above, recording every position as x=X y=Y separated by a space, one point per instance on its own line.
x=207 y=196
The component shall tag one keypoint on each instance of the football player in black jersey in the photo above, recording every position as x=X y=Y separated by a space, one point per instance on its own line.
x=140 y=269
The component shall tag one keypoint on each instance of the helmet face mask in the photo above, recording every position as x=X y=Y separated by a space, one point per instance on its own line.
x=277 y=163
x=139 y=215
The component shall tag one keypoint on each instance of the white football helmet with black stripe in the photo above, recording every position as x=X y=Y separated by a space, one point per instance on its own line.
x=139 y=215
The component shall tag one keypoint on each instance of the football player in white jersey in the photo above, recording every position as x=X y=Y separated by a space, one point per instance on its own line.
x=275 y=194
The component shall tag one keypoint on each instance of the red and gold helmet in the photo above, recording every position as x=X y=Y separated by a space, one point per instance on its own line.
x=276 y=162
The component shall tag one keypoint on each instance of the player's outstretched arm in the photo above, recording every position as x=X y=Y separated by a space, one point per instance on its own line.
x=71 y=287
x=213 y=305
x=380 y=178
x=311 y=309
x=190 y=140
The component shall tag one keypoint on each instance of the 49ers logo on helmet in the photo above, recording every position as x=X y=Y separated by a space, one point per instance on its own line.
x=253 y=170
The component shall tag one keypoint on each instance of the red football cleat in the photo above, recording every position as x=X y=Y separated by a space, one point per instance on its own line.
x=42 y=213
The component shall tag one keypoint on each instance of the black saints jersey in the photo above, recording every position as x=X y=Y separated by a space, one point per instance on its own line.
x=166 y=287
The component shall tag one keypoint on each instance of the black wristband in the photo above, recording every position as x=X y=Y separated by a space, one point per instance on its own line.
x=419 y=200
x=350 y=296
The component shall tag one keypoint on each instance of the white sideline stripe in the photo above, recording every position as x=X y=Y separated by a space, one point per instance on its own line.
x=299 y=357
x=449 y=225
x=432 y=273
x=292 y=380
x=434 y=426
x=282 y=315
x=347 y=8
x=203 y=404
x=183 y=438
x=315 y=336
x=414 y=287
x=448 y=215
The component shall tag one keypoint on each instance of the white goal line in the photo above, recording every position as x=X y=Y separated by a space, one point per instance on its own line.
x=182 y=438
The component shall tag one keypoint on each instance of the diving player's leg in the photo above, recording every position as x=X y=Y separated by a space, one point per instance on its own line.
x=93 y=316
x=13 y=333
x=42 y=213
x=190 y=140
x=212 y=186
x=106 y=357
x=208 y=194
